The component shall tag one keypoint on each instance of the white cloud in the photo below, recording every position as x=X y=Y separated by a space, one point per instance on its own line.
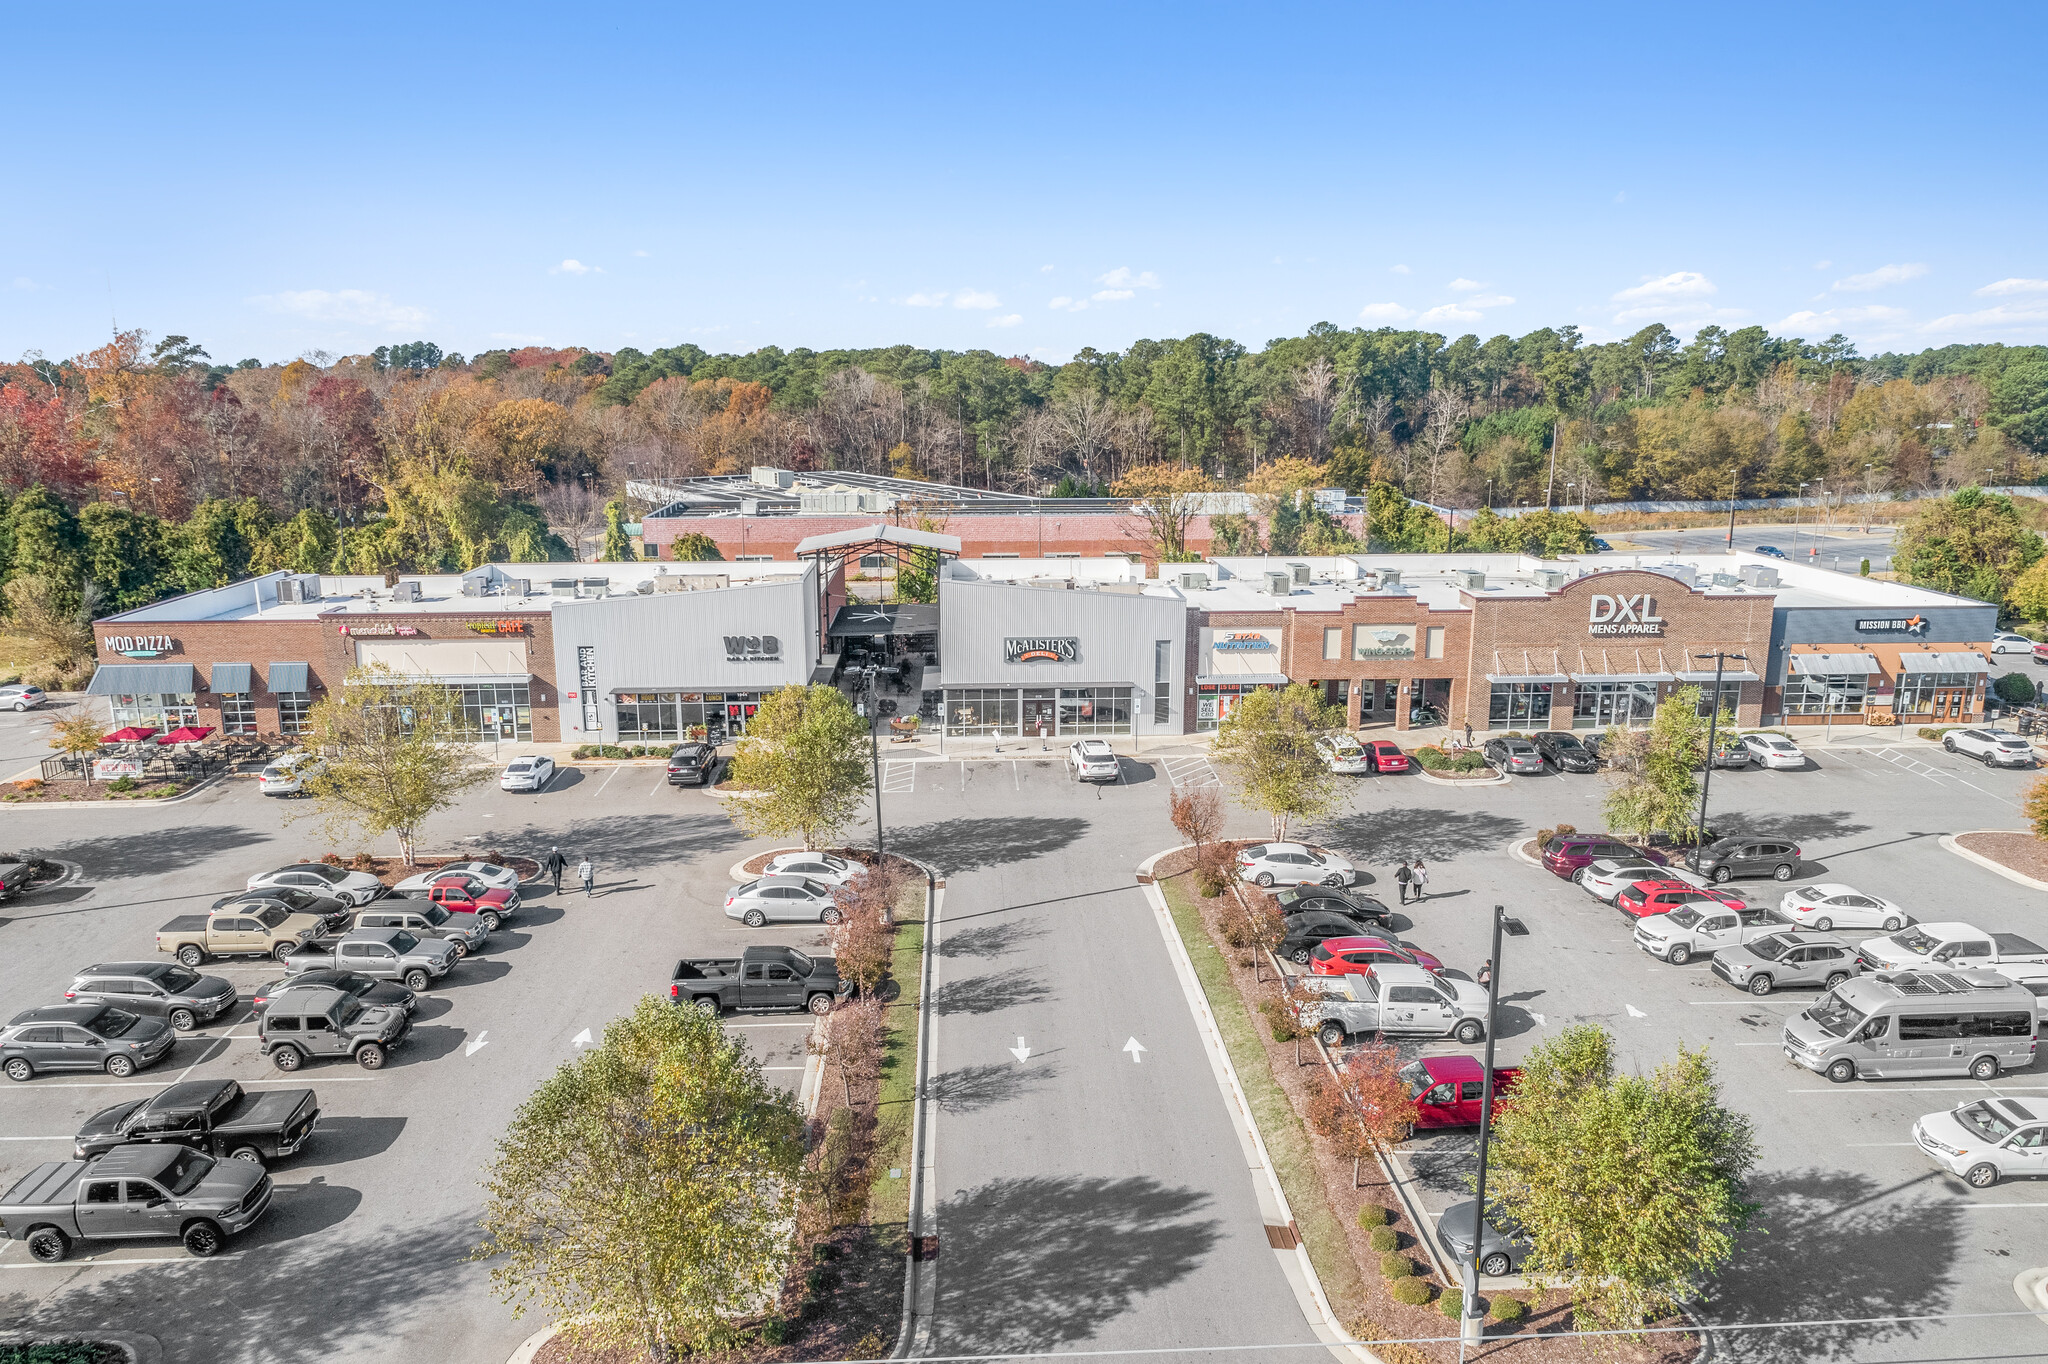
x=1122 y=278
x=342 y=305
x=1385 y=312
x=1678 y=314
x=1068 y=305
x=1008 y=320
x=1462 y=285
x=2030 y=313
x=1488 y=301
x=1397 y=269
x=573 y=266
x=1677 y=284
x=1822 y=264
x=1450 y=312
x=1045 y=269
x=1878 y=278
x=937 y=300
x=1621 y=196
x=2000 y=289
x=1112 y=295
x=975 y=298
x=24 y=283
x=1830 y=320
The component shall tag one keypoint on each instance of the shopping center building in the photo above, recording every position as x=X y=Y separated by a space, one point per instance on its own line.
x=649 y=652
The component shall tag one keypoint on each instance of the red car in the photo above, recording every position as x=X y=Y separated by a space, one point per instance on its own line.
x=1645 y=898
x=1384 y=755
x=1355 y=956
x=467 y=895
x=1567 y=855
x=1448 y=1090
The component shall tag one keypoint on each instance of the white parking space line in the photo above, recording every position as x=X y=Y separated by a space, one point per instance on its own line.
x=179 y=1258
x=608 y=780
x=765 y=1069
x=35 y=1139
x=1188 y=772
x=1865 y=1145
x=32 y=1087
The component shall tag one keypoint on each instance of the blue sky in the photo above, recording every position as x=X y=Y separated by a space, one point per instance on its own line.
x=1027 y=179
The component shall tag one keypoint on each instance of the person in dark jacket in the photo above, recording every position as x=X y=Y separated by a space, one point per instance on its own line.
x=1403 y=878
x=556 y=865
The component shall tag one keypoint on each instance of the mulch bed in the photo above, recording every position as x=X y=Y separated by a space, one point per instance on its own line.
x=1533 y=1339
x=72 y=789
x=62 y=1352
x=2018 y=852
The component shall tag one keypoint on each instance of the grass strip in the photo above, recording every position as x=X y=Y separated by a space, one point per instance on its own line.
x=889 y=1202
x=1287 y=1140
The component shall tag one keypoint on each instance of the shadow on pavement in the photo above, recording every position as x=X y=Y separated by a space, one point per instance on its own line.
x=989 y=994
x=342 y=1139
x=632 y=840
x=989 y=940
x=1810 y=826
x=162 y=850
x=973 y=1088
x=1033 y=1264
x=1825 y=1247
x=957 y=846
x=1405 y=834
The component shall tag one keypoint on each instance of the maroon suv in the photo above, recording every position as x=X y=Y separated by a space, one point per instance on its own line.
x=1567 y=855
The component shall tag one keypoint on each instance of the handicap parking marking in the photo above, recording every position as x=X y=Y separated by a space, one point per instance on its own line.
x=1190 y=772
x=899 y=777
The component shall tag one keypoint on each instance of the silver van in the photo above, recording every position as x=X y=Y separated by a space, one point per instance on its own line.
x=1906 y=1024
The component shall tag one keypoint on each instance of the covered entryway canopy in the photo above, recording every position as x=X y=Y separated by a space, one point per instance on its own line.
x=1833 y=665
x=833 y=552
x=141 y=679
x=857 y=619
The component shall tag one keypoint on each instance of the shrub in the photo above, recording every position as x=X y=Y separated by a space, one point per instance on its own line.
x=1385 y=1239
x=1412 y=1291
x=122 y=785
x=1543 y=836
x=1865 y=570
x=1282 y=1019
x=361 y=861
x=583 y=751
x=1396 y=1266
x=1373 y=1215
x=160 y=792
x=1505 y=1308
x=1451 y=1305
x=331 y=859
x=2015 y=689
x=1236 y=932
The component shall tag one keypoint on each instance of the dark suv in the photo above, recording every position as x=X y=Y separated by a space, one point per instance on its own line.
x=302 y=1024
x=1724 y=858
x=155 y=989
x=1564 y=751
x=692 y=764
x=335 y=911
x=1567 y=855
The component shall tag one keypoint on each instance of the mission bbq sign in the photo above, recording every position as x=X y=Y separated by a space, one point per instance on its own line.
x=1621 y=614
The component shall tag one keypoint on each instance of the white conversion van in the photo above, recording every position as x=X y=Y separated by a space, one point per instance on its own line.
x=1906 y=1024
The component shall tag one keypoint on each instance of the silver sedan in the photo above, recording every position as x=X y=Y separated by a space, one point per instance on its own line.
x=782 y=899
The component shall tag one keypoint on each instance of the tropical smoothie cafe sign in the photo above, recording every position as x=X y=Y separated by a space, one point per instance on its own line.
x=140 y=646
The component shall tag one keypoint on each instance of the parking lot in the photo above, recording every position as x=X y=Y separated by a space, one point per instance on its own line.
x=1045 y=941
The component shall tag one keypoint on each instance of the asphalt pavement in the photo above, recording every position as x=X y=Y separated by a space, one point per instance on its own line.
x=1842 y=546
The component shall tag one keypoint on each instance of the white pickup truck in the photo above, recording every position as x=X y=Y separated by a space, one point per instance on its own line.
x=1954 y=946
x=1708 y=926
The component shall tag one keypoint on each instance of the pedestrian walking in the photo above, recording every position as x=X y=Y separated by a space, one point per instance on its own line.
x=1418 y=875
x=1468 y=734
x=587 y=874
x=1403 y=878
x=556 y=865
x=1486 y=975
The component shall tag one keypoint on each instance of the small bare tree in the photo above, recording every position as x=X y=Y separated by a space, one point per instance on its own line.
x=1197 y=814
x=573 y=511
x=1315 y=405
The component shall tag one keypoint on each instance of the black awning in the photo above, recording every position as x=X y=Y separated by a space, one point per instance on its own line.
x=856 y=619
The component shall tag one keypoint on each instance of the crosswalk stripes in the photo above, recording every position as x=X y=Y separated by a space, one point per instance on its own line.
x=1187 y=773
x=899 y=778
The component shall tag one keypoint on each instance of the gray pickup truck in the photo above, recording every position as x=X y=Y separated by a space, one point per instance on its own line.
x=380 y=953
x=759 y=978
x=217 y=1117
x=133 y=1192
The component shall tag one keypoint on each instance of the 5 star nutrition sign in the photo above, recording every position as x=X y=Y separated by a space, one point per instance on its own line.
x=1624 y=615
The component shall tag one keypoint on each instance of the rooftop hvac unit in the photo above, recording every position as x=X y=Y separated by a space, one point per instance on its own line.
x=765 y=476
x=1685 y=573
x=1760 y=575
x=522 y=586
x=1727 y=580
x=1194 y=582
x=1550 y=579
x=667 y=584
x=299 y=587
x=1472 y=579
x=473 y=586
x=1300 y=572
x=407 y=590
x=705 y=582
x=1279 y=582
x=1389 y=577
x=562 y=587
x=593 y=587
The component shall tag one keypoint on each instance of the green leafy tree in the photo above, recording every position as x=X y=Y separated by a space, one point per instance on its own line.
x=618 y=546
x=1652 y=771
x=645 y=1194
x=1267 y=745
x=805 y=755
x=1974 y=543
x=305 y=544
x=2015 y=689
x=696 y=547
x=395 y=753
x=124 y=554
x=1630 y=1186
x=2028 y=598
x=2019 y=404
x=45 y=536
x=78 y=738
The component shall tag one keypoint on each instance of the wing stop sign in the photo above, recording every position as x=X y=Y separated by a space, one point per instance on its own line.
x=1049 y=650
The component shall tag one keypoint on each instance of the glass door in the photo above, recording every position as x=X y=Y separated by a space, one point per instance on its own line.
x=1040 y=711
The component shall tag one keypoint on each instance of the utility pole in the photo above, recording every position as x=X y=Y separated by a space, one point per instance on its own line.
x=1473 y=1322
x=1733 y=474
x=874 y=754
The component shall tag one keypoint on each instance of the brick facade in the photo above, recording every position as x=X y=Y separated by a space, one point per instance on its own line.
x=1307 y=645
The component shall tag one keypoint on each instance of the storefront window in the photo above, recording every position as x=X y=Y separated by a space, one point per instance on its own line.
x=166 y=711
x=1214 y=702
x=1731 y=697
x=238 y=715
x=1919 y=692
x=1832 y=694
x=1520 y=703
x=1095 y=710
x=981 y=710
x=649 y=715
x=493 y=710
x=1596 y=705
x=294 y=712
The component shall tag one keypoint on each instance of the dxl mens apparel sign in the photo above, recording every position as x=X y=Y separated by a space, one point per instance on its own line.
x=1064 y=649
x=1624 y=615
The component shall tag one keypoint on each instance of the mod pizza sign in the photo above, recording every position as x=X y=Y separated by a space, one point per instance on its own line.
x=1621 y=614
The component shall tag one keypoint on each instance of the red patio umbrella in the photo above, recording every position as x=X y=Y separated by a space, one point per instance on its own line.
x=186 y=734
x=133 y=734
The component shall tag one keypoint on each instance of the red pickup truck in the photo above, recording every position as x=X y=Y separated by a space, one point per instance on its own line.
x=1448 y=1089
x=467 y=895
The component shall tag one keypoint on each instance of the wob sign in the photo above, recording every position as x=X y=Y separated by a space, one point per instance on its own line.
x=1621 y=614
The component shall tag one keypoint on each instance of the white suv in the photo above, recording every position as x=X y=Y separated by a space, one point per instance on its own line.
x=1986 y=1140
x=1995 y=747
x=1342 y=753
x=1093 y=760
x=287 y=776
x=1293 y=864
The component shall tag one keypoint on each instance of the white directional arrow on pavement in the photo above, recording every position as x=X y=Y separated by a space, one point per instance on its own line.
x=1020 y=1051
x=1136 y=1049
x=476 y=1043
x=583 y=1040
x=1539 y=1020
x=1634 y=1012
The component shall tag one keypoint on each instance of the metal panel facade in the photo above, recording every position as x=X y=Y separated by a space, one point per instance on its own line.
x=1971 y=624
x=1114 y=635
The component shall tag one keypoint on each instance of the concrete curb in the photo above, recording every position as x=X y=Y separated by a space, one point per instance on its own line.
x=1497 y=779
x=1515 y=851
x=920 y=1283
x=530 y=1346
x=140 y=1349
x=1948 y=841
x=2032 y=1287
x=1295 y=1263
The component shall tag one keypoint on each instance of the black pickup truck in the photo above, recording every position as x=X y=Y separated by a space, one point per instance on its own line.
x=760 y=978
x=213 y=1116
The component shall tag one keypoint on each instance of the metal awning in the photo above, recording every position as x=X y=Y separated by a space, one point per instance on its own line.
x=1943 y=663
x=822 y=673
x=1527 y=677
x=1622 y=677
x=1832 y=665
x=1242 y=679
x=1743 y=676
x=141 y=679
x=859 y=619
x=880 y=534
x=286 y=678
x=233 y=679
x=1525 y=665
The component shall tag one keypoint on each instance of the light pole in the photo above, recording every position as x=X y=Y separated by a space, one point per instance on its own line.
x=1733 y=474
x=1473 y=1322
x=1869 y=491
x=874 y=751
x=1713 y=721
x=1796 y=504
